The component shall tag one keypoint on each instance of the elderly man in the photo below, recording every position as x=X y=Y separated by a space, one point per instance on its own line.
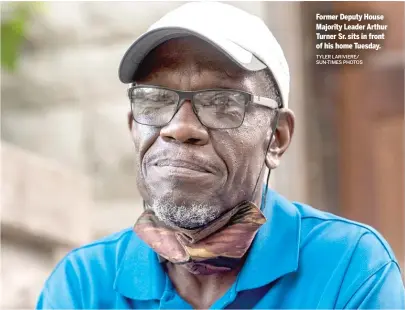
x=209 y=120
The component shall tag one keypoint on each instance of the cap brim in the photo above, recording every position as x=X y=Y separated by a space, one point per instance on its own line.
x=153 y=38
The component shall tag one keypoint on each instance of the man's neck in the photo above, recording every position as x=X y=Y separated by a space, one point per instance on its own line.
x=200 y=291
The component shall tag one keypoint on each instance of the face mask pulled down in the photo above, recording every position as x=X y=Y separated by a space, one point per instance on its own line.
x=216 y=247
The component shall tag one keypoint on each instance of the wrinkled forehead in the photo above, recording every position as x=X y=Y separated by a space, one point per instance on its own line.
x=189 y=53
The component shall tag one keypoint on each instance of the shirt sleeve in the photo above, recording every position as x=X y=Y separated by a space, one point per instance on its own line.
x=44 y=302
x=61 y=290
x=384 y=289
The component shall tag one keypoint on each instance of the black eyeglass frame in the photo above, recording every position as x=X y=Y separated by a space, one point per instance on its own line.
x=189 y=95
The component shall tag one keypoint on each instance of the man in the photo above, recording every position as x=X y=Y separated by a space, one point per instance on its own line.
x=209 y=113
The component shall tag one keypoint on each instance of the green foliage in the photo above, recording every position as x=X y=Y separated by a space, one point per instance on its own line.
x=14 y=29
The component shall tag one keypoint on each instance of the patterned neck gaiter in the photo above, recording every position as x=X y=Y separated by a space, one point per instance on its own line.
x=216 y=247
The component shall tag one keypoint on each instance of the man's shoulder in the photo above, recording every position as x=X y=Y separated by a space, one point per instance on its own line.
x=340 y=262
x=89 y=270
x=115 y=242
x=351 y=251
x=331 y=230
x=101 y=256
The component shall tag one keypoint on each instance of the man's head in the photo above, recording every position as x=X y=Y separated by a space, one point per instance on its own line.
x=189 y=173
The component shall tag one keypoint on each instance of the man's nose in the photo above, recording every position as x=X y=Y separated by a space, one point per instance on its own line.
x=185 y=127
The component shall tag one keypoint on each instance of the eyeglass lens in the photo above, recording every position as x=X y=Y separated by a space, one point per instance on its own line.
x=219 y=109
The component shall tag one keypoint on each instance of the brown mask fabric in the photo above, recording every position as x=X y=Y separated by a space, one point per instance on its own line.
x=217 y=247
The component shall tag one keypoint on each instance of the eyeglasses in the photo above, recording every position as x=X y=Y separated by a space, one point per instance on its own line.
x=215 y=108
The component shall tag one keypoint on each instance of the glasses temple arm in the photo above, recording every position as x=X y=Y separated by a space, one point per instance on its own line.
x=267 y=102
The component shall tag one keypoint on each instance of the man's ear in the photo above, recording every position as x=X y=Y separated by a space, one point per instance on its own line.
x=281 y=138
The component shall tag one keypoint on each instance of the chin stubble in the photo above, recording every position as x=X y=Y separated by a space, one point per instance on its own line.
x=190 y=215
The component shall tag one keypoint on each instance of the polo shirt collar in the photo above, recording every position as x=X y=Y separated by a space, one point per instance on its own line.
x=140 y=276
x=273 y=254
x=275 y=250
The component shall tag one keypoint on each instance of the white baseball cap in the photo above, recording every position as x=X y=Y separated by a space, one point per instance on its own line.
x=241 y=36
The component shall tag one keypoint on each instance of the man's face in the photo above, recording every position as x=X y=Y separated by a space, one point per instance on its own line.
x=187 y=173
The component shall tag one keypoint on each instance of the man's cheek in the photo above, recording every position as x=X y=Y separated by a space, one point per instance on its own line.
x=144 y=137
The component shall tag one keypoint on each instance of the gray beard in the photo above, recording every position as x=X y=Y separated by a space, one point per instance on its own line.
x=185 y=215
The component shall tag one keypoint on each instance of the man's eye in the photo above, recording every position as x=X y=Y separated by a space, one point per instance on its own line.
x=221 y=100
x=158 y=98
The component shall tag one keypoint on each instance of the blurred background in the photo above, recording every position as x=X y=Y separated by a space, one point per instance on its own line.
x=67 y=157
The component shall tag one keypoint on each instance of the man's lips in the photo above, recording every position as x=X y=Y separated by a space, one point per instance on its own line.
x=176 y=163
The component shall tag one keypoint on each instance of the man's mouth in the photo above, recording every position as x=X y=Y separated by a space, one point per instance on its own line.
x=183 y=165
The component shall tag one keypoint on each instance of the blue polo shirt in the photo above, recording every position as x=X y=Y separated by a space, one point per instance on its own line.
x=300 y=258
